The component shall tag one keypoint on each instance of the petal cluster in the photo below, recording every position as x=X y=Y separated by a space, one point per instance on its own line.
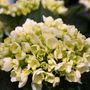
x=47 y=51
x=56 y=6
x=18 y=7
x=23 y=7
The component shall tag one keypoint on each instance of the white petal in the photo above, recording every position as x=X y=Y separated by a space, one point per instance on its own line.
x=36 y=86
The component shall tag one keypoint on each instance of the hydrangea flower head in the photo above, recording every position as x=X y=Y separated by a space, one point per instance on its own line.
x=46 y=50
x=23 y=7
x=18 y=7
x=56 y=6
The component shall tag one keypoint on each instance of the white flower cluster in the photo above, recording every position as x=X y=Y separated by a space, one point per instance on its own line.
x=22 y=7
x=86 y=3
x=56 y=6
x=47 y=50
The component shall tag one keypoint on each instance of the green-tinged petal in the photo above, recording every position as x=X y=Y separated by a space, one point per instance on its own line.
x=34 y=49
x=32 y=62
x=36 y=86
x=7 y=64
x=15 y=48
x=56 y=81
x=24 y=77
x=4 y=50
x=25 y=47
x=52 y=43
x=74 y=76
x=38 y=76
x=21 y=55
x=49 y=77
